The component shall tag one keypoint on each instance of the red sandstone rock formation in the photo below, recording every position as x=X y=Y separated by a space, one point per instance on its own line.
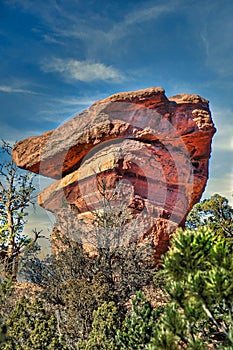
x=156 y=149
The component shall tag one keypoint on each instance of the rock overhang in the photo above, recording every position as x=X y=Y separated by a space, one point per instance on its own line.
x=160 y=146
x=137 y=114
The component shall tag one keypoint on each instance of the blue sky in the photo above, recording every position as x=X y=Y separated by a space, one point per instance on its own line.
x=57 y=57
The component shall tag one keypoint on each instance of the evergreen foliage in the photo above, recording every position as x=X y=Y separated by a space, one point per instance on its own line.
x=81 y=298
x=76 y=284
x=88 y=295
x=16 y=194
x=139 y=327
x=29 y=327
x=215 y=213
x=199 y=274
x=2 y=332
x=105 y=324
x=6 y=292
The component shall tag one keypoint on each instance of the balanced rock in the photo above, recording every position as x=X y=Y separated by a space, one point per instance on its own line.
x=139 y=150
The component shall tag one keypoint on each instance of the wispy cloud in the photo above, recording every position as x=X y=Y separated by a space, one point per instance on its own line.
x=12 y=134
x=68 y=21
x=98 y=35
x=216 y=35
x=222 y=185
x=76 y=101
x=12 y=90
x=147 y=13
x=117 y=29
x=138 y=15
x=51 y=39
x=58 y=110
x=223 y=139
x=81 y=70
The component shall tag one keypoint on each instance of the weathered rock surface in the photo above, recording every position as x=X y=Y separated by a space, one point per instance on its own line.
x=157 y=149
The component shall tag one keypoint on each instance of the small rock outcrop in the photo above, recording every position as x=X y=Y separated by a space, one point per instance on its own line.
x=155 y=149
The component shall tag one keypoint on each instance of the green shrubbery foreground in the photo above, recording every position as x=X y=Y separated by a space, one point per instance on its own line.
x=197 y=280
x=111 y=302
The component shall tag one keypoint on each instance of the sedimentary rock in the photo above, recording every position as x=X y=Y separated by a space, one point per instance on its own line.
x=154 y=150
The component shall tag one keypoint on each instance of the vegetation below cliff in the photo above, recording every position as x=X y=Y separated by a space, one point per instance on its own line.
x=118 y=300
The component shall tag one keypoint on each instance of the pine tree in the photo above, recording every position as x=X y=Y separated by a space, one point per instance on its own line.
x=215 y=213
x=76 y=283
x=30 y=326
x=139 y=327
x=105 y=324
x=199 y=273
x=16 y=194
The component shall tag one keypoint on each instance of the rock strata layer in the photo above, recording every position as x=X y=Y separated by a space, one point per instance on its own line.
x=151 y=151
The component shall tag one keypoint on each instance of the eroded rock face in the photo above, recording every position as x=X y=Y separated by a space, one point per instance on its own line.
x=152 y=149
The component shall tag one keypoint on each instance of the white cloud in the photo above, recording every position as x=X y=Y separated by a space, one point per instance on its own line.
x=58 y=110
x=216 y=26
x=94 y=36
x=81 y=70
x=68 y=105
x=136 y=16
x=51 y=39
x=76 y=101
x=148 y=12
x=11 y=134
x=223 y=139
x=222 y=185
x=12 y=90
x=66 y=23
